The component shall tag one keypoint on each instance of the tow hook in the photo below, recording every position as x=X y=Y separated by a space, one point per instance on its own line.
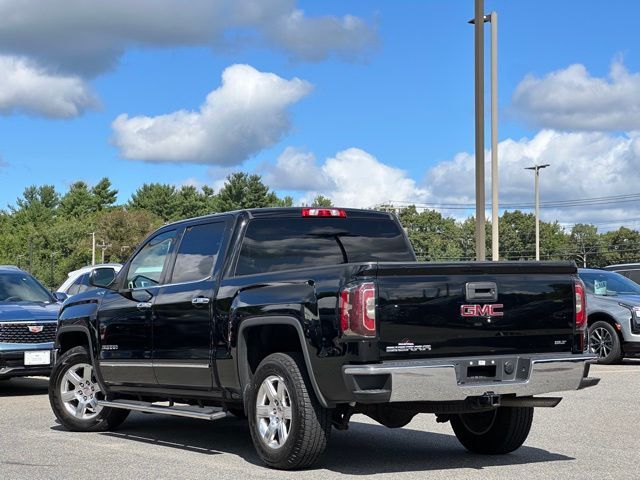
x=488 y=400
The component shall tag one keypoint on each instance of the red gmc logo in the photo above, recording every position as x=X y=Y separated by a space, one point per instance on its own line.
x=489 y=310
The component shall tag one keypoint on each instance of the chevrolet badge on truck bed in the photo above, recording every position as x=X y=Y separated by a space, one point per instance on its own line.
x=299 y=318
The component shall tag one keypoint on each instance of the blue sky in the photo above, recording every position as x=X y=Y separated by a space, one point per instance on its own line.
x=403 y=100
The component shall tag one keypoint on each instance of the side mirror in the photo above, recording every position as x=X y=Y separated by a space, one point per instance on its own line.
x=60 y=296
x=102 y=277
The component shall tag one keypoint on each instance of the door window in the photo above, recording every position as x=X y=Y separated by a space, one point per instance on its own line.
x=198 y=252
x=633 y=275
x=147 y=266
x=79 y=285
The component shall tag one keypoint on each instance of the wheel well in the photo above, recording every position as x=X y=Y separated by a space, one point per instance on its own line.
x=263 y=340
x=68 y=340
x=603 y=317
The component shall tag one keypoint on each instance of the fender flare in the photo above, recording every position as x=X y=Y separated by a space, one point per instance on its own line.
x=244 y=373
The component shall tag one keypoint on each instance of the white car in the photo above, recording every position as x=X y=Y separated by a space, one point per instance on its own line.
x=78 y=280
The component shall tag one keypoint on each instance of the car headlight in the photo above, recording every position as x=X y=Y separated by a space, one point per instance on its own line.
x=635 y=320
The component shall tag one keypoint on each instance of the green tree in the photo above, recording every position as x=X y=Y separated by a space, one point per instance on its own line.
x=78 y=201
x=322 y=201
x=157 y=198
x=124 y=230
x=104 y=196
x=584 y=242
x=433 y=236
x=242 y=190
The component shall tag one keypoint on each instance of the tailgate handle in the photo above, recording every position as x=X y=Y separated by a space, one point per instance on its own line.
x=487 y=291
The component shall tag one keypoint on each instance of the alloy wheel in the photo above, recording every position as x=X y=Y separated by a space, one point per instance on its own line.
x=601 y=342
x=80 y=392
x=274 y=412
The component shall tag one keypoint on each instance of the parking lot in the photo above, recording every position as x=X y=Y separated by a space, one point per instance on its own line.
x=591 y=434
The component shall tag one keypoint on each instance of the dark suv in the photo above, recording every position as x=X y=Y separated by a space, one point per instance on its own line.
x=28 y=322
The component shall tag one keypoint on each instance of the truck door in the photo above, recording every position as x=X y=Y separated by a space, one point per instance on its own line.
x=183 y=310
x=124 y=317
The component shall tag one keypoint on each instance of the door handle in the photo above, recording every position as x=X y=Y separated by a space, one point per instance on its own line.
x=200 y=300
x=144 y=305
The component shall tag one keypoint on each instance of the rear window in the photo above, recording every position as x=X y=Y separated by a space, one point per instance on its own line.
x=271 y=244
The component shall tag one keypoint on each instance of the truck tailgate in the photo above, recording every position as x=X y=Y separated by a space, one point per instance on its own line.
x=438 y=310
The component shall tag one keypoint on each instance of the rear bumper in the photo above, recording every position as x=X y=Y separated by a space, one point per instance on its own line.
x=12 y=360
x=455 y=379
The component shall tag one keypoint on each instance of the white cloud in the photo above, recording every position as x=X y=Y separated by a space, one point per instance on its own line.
x=572 y=99
x=295 y=169
x=26 y=87
x=247 y=113
x=352 y=178
x=583 y=165
x=88 y=37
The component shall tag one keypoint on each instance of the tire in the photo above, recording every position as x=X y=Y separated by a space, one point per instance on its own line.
x=301 y=426
x=67 y=392
x=605 y=342
x=496 y=432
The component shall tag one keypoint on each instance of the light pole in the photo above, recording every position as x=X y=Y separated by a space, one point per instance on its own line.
x=93 y=248
x=536 y=169
x=479 y=101
x=495 y=233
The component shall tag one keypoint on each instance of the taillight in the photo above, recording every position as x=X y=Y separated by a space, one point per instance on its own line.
x=581 y=305
x=324 y=212
x=358 y=310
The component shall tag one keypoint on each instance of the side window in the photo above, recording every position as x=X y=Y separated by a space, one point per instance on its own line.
x=74 y=288
x=198 y=252
x=634 y=275
x=83 y=283
x=147 y=266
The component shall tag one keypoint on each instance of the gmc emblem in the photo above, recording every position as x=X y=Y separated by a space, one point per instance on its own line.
x=489 y=310
x=35 y=328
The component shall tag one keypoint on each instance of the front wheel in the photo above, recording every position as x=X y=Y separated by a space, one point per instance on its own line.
x=496 y=432
x=74 y=393
x=289 y=427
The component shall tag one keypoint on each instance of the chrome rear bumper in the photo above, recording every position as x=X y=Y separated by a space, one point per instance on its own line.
x=455 y=379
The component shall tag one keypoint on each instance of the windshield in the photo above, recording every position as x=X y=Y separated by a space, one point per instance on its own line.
x=21 y=287
x=609 y=283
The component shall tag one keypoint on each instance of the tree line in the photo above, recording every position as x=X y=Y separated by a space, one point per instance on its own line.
x=50 y=233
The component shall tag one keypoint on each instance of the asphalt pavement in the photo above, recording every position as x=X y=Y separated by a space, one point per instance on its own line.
x=592 y=434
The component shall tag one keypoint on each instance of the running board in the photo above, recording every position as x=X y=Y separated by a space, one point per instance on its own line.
x=203 y=413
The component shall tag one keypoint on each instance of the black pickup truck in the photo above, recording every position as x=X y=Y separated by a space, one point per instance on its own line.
x=298 y=318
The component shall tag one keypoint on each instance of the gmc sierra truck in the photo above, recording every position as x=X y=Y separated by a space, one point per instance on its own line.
x=299 y=318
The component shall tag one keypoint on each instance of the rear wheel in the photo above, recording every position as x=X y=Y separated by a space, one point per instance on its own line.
x=289 y=427
x=498 y=431
x=605 y=342
x=74 y=393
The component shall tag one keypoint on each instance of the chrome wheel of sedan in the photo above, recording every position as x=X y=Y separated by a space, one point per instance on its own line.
x=274 y=412
x=80 y=392
x=601 y=342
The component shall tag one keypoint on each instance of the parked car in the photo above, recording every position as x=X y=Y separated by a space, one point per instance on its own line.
x=28 y=321
x=613 y=309
x=301 y=318
x=78 y=280
x=629 y=270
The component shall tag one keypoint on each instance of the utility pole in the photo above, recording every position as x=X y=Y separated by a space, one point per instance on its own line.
x=93 y=248
x=495 y=233
x=30 y=255
x=536 y=187
x=103 y=246
x=479 y=101
x=52 y=282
